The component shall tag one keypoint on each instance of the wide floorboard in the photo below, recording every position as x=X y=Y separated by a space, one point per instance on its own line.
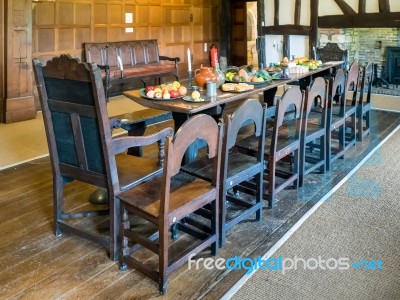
x=37 y=265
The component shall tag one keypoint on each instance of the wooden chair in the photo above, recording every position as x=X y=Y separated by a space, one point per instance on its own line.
x=348 y=108
x=314 y=129
x=81 y=146
x=335 y=122
x=170 y=197
x=238 y=168
x=281 y=146
x=364 y=102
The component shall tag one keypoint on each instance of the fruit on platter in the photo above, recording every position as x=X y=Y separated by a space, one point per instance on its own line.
x=285 y=62
x=166 y=91
x=195 y=95
x=312 y=64
x=243 y=76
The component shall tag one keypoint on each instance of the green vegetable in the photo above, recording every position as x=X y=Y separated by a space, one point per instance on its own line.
x=264 y=75
x=277 y=75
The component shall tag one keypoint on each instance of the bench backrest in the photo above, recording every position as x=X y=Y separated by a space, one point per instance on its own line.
x=131 y=53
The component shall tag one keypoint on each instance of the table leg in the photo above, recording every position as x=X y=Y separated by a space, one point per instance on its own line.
x=269 y=96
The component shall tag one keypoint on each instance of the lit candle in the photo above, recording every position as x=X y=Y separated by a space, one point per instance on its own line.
x=189 y=61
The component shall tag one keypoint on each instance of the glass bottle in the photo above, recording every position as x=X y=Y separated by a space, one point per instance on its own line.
x=220 y=75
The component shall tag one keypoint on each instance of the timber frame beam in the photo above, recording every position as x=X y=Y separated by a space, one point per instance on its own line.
x=363 y=20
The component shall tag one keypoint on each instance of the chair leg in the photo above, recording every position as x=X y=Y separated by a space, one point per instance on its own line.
x=299 y=168
x=342 y=138
x=328 y=150
x=222 y=216
x=271 y=183
x=360 y=124
x=322 y=153
x=259 y=180
x=122 y=239
x=58 y=207
x=367 y=119
x=163 y=260
x=214 y=226
x=174 y=231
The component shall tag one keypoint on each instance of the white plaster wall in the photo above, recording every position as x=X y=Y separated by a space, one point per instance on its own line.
x=273 y=49
x=299 y=46
x=286 y=12
x=328 y=7
x=394 y=5
x=305 y=12
x=269 y=9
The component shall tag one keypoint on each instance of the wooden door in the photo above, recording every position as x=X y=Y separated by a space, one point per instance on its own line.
x=238 y=33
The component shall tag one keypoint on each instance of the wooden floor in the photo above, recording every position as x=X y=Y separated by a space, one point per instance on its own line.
x=37 y=265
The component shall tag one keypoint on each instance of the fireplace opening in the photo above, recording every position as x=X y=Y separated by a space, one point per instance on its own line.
x=393 y=64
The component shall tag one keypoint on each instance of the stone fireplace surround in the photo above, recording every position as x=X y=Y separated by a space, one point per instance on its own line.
x=364 y=44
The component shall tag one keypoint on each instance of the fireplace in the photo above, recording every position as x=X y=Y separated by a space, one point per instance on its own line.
x=393 y=64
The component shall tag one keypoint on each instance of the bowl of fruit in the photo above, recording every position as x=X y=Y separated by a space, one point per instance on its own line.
x=165 y=91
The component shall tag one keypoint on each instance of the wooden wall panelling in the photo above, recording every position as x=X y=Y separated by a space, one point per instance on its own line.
x=176 y=20
x=2 y=64
x=205 y=28
x=19 y=98
x=62 y=26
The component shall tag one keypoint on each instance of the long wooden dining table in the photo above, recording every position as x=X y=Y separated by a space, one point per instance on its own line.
x=183 y=110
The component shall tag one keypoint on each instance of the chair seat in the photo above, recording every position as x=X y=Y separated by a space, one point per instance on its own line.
x=350 y=109
x=286 y=139
x=185 y=189
x=286 y=145
x=314 y=130
x=133 y=170
x=240 y=166
x=314 y=116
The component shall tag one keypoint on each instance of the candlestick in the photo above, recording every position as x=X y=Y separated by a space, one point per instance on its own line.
x=189 y=60
x=190 y=80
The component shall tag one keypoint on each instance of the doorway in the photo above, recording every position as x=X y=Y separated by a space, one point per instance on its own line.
x=244 y=33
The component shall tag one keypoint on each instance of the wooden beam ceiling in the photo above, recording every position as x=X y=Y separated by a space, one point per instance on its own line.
x=346 y=9
x=286 y=29
x=361 y=6
x=384 y=6
x=365 y=20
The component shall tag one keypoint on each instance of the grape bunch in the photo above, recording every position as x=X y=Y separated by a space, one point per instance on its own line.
x=284 y=75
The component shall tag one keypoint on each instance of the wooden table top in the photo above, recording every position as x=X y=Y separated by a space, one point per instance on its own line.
x=181 y=106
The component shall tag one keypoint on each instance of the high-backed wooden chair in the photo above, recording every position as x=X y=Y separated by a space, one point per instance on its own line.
x=314 y=128
x=364 y=102
x=348 y=109
x=170 y=197
x=281 y=146
x=238 y=168
x=81 y=146
x=335 y=122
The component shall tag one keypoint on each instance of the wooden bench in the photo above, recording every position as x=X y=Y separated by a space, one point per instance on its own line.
x=130 y=63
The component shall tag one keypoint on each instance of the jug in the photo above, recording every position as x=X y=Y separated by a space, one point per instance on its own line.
x=203 y=75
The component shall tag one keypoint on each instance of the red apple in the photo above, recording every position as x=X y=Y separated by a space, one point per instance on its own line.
x=149 y=88
x=174 y=94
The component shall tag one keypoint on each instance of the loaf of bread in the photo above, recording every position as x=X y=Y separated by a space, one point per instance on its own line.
x=237 y=87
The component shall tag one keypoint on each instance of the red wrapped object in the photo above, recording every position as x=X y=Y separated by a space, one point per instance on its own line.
x=213 y=55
